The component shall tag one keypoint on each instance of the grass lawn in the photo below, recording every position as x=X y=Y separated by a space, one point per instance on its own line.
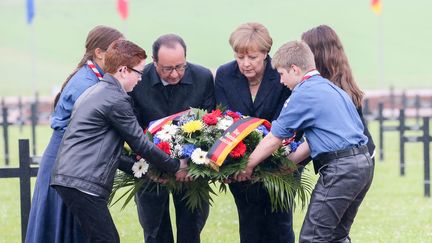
x=394 y=209
x=42 y=55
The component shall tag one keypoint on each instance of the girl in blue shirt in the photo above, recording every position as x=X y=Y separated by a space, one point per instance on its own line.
x=49 y=220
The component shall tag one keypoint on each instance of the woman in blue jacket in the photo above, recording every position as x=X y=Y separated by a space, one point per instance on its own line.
x=50 y=220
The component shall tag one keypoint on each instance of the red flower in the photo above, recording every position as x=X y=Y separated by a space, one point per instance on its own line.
x=267 y=125
x=210 y=119
x=287 y=141
x=164 y=146
x=234 y=115
x=238 y=151
x=217 y=113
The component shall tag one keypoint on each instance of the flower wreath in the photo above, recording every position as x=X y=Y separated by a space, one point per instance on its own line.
x=192 y=134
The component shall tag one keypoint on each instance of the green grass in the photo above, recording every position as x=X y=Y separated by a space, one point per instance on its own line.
x=394 y=209
x=43 y=134
x=43 y=54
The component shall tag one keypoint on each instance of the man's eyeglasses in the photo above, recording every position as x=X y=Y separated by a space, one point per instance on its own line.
x=168 y=70
x=133 y=69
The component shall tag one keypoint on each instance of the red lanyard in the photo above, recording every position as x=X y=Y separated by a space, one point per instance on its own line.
x=92 y=66
x=309 y=74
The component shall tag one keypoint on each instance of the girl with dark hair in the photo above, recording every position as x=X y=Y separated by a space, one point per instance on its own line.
x=50 y=220
x=332 y=62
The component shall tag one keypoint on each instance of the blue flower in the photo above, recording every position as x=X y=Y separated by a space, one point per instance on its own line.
x=263 y=129
x=185 y=119
x=156 y=140
x=187 y=150
x=294 y=145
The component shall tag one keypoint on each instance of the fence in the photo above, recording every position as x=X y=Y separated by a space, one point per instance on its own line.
x=385 y=108
x=18 y=112
x=402 y=128
x=385 y=128
x=395 y=108
x=24 y=172
x=425 y=138
x=417 y=103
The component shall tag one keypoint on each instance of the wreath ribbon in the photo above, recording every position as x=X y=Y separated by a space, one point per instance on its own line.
x=231 y=137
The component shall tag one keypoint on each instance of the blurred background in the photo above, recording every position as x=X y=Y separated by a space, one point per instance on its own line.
x=389 y=52
x=392 y=48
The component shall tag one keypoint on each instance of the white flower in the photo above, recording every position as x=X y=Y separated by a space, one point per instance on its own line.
x=140 y=168
x=224 y=123
x=199 y=157
x=287 y=150
x=259 y=131
x=177 y=151
x=167 y=132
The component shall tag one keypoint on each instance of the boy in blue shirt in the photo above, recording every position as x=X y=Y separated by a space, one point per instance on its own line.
x=335 y=141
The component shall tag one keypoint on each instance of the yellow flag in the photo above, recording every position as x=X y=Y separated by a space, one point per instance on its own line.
x=376 y=6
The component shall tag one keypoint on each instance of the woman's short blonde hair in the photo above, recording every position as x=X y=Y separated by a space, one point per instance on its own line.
x=251 y=37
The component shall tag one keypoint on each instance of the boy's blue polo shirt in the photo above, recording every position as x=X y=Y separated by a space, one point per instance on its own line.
x=325 y=113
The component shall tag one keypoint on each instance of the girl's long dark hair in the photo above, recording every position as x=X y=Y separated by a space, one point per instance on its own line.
x=99 y=37
x=331 y=60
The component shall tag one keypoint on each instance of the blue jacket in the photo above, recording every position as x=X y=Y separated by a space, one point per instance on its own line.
x=80 y=81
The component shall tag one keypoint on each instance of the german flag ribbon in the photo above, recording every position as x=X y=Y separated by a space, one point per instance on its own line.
x=158 y=124
x=231 y=137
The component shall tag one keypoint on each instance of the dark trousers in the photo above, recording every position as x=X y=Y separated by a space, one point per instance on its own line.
x=92 y=213
x=153 y=213
x=341 y=188
x=258 y=224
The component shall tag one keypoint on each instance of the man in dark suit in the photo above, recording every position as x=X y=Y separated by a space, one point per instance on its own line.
x=170 y=85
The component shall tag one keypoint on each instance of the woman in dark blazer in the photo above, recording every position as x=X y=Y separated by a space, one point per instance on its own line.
x=250 y=85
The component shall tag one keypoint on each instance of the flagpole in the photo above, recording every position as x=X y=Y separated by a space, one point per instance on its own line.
x=30 y=11
x=376 y=6
x=125 y=29
x=380 y=45
x=123 y=10
x=33 y=59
